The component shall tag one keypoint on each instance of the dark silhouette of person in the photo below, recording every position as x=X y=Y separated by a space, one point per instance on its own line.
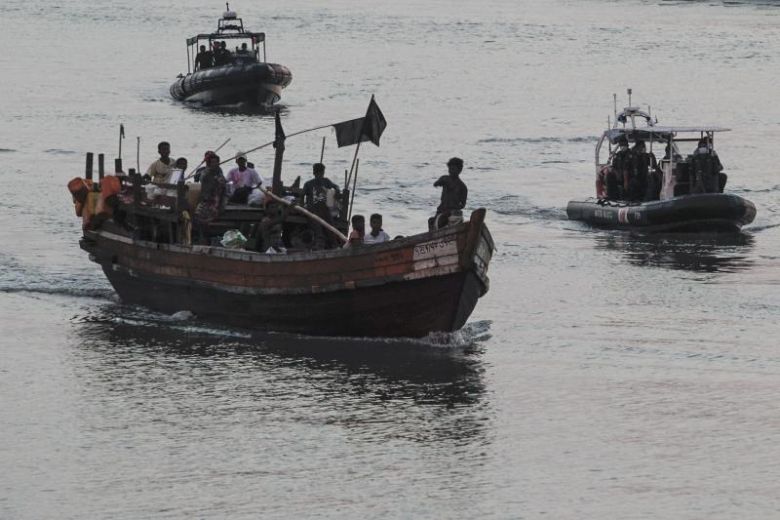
x=642 y=180
x=617 y=179
x=706 y=169
x=315 y=196
x=204 y=59
x=222 y=56
x=453 y=195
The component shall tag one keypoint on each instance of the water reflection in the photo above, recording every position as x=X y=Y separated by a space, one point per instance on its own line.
x=708 y=253
x=141 y=359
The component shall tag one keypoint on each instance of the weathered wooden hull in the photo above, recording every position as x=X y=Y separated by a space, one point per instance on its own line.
x=711 y=212
x=404 y=288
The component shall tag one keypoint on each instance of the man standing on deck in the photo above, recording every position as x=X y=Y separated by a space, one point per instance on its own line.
x=453 y=196
x=617 y=179
x=315 y=197
x=160 y=170
x=222 y=56
x=204 y=59
x=706 y=168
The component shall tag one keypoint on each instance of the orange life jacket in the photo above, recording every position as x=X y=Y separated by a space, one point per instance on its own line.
x=79 y=188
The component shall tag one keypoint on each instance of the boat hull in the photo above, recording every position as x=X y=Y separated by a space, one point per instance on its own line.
x=404 y=288
x=398 y=309
x=710 y=212
x=251 y=83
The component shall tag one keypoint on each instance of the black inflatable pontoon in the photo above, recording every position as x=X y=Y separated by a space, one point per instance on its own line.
x=240 y=82
x=707 y=212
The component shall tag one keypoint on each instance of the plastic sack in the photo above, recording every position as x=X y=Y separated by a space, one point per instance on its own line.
x=233 y=239
x=256 y=198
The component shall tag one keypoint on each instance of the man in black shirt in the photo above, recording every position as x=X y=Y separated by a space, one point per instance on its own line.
x=453 y=195
x=315 y=196
x=222 y=56
x=315 y=190
x=204 y=59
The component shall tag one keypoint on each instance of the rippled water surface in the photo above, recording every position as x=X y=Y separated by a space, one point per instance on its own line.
x=604 y=375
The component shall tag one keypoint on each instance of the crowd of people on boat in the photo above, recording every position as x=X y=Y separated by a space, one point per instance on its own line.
x=220 y=55
x=635 y=175
x=243 y=184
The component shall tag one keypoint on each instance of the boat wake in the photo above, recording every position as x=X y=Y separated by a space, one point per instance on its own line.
x=514 y=205
x=16 y=277
x=102 y=294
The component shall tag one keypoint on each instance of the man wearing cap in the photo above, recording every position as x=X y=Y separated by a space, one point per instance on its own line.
x=241 y=180
x=453 y=195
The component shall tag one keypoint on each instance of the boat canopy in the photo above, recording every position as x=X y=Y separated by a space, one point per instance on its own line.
x=658 y=133
x=258 y=37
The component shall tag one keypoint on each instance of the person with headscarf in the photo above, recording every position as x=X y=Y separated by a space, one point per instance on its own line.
x=212 y=191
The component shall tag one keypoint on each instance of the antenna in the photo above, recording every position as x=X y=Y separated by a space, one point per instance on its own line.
x=629 y=97
x=614 y=101
x=227 y=6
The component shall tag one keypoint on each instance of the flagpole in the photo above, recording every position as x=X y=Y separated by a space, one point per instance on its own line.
x=360 y=140
x=354 y=158
x=121 y=135
x=279 y=138
x=352 y=195
x=118 y=160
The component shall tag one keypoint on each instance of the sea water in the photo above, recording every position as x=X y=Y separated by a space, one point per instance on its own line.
x=604 y=375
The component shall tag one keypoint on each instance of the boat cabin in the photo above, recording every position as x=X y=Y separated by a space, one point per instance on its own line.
x=675 y=144
x=244 y=46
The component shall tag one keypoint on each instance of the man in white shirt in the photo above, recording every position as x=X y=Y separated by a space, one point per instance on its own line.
x=179 y=171
x=377 y=235
x=160 y=170
x=241 y=180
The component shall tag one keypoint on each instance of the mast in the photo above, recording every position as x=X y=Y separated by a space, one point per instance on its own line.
x=276 y=185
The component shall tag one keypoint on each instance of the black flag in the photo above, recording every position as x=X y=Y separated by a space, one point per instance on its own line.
x=368 y=128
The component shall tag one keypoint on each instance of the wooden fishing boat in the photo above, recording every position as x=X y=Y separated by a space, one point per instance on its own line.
x=406 y=287
x=674 y=201
x=244 y=77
